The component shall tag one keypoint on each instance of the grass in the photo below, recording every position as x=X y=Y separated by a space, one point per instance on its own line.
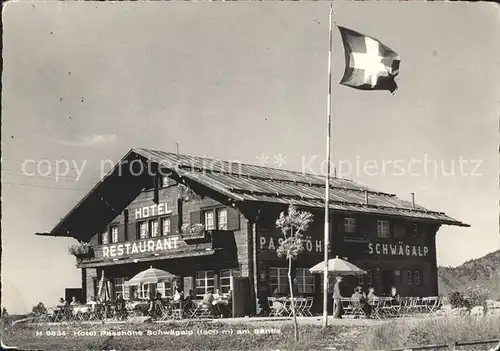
x=58 y=337
x=206 y=335
x=398 y=334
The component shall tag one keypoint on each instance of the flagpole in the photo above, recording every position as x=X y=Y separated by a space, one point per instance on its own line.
x=327 y=180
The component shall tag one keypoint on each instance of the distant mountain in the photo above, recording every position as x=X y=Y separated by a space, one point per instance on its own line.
x=484 y=271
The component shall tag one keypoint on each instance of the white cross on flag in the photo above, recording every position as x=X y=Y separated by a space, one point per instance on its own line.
x=370 y=65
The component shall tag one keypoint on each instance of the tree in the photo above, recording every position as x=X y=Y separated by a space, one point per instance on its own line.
x=292 y=225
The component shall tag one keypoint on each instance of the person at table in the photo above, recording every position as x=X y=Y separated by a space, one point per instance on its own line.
x=371 y=294
x=74 y=302
x=218 y=295
x=120 y=306
x=178 y=294
x=62 y=303
x=276 y=293
x=394 y=295
x=208 y=298
x=135 y=296
x=188 y=300
x=337 y=303
x=153 y=302
x=92 y=303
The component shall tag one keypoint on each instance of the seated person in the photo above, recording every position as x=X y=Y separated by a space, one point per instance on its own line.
x=62 y=303
x=188 y=300
x=92 y=302
x=218 y=295
x=74 y=302
x=153 y=302
x=357 y=295
x=120 y=302
x=371 y=295
x=276 y=293
x=178 y=295
x=394 y=295
x=208 y=298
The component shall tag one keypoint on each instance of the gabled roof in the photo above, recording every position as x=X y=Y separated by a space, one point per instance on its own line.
x=238 y=182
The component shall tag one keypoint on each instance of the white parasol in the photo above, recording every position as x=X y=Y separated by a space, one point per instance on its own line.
x=337 y=266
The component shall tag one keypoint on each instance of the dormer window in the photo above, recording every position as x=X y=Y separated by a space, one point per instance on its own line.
x=105 y=238
x=114 y=234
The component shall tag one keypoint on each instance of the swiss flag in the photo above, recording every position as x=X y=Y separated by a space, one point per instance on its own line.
x=370 y=65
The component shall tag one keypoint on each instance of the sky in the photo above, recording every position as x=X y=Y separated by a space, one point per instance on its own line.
x=84 y=82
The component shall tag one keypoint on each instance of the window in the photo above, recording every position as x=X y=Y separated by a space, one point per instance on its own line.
x=143 y=230
x=399 y=231
x=350 y=225
x=409 y=277
x=305 y=280
x=209 y=220
x=369 y=277
x=165 y=288
x=144 y=291
x=226 y=278
x=361 y=280
x=105 y=238
x=114 y=234
x=204 y=282
x=166 y=226
x=416 y=277
x=222 y=219
x=121 y=288
x=382 y=229
x=397 y=277
x=414 y=229
x=278 y=279
x=153 y=227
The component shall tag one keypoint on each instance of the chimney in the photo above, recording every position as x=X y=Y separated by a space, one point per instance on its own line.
x=366 y=197
x=412 y=200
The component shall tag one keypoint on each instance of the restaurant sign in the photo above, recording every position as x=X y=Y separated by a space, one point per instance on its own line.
x=397 y=250
x=152 y=245
x=272 y=243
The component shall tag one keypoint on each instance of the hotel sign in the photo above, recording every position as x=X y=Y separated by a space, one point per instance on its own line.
x=131 y=248
x=397 y=250
x=153 y=210
x=271 y=244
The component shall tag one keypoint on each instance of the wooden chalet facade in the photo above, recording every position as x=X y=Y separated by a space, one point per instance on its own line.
x=147 y=212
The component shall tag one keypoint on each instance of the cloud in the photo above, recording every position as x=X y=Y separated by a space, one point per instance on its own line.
x=90 y=140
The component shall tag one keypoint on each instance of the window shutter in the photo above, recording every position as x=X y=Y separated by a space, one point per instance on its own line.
x=233 y=219
x=195 y=217
x=121 y=233
x=96 y=240
x=174 y=220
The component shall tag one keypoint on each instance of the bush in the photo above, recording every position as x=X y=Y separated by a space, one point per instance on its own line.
x=457 y=300
x=478 y=295
x=39 y=309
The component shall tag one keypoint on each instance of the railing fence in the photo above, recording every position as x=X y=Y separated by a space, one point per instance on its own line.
x=448 y=346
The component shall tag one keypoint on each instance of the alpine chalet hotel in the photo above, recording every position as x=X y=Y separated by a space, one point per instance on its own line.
x=142 y=213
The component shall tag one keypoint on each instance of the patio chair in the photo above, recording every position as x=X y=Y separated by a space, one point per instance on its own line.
x=385 y=308
x=277 y=308
x=375 y=310
x=404 y=309
x=347 y=306
x=307 y=306
x=431 y=305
